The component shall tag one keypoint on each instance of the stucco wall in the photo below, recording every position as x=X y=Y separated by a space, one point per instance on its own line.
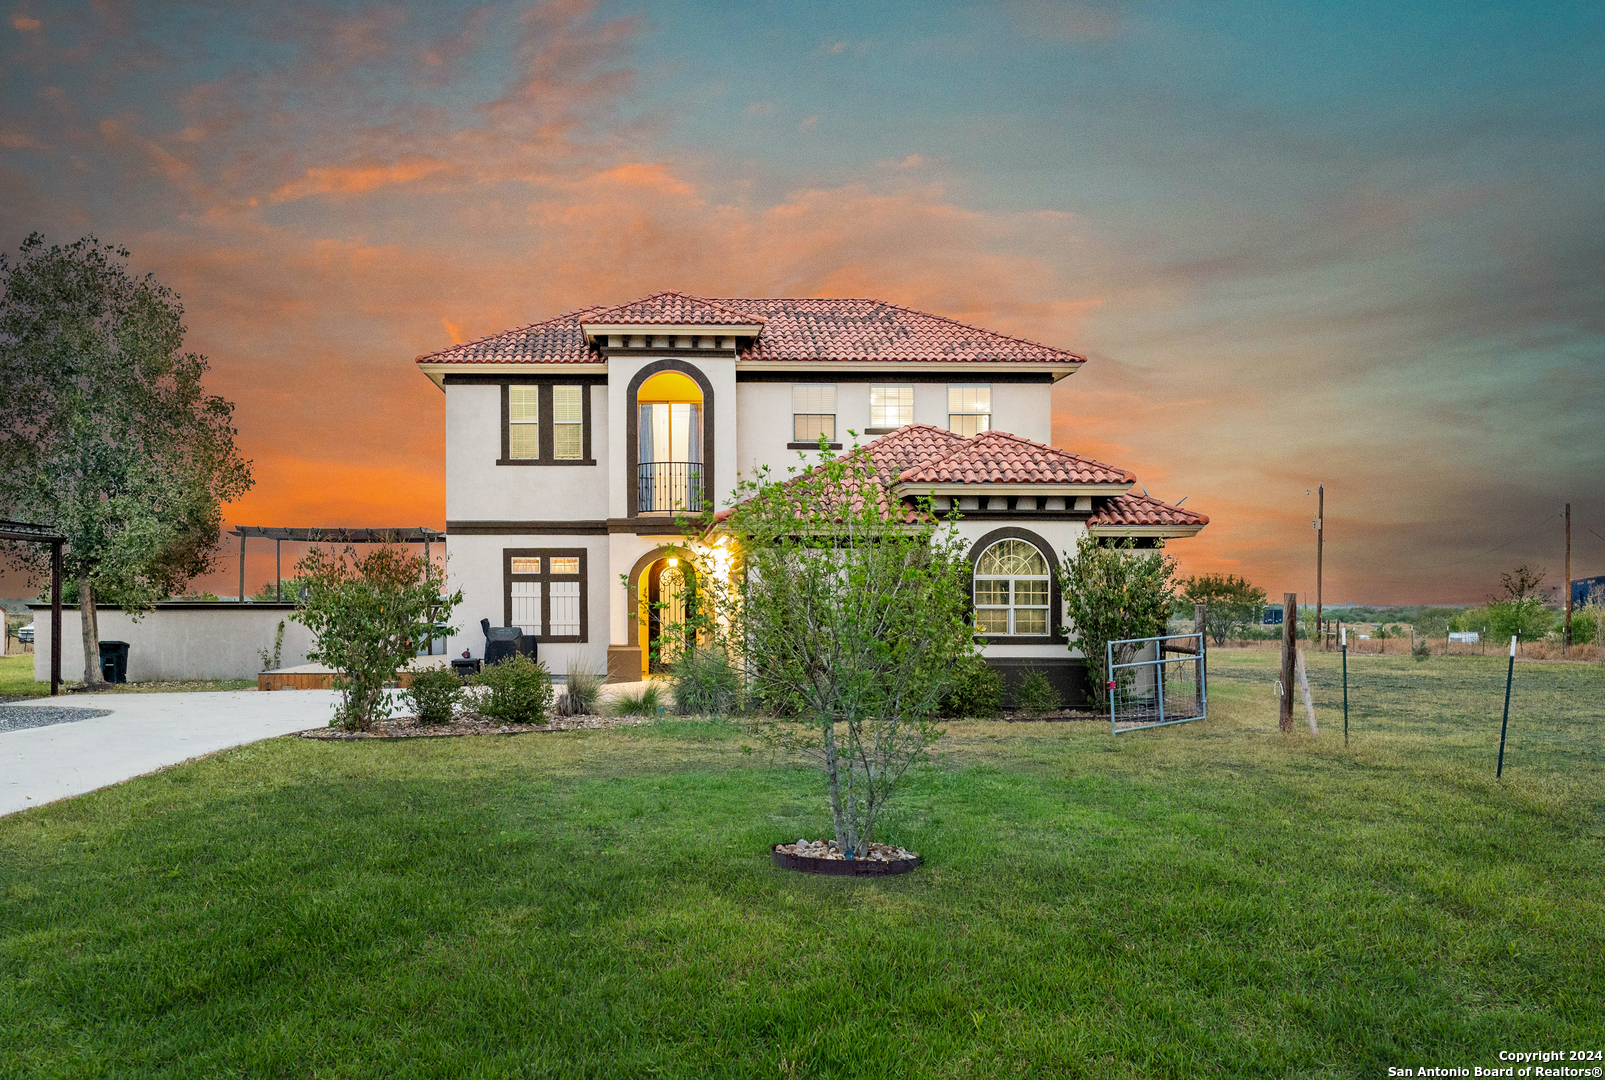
x=764 y=415
x=477 y=489
x=720 y=372
x=178 y=641
x=475 y=567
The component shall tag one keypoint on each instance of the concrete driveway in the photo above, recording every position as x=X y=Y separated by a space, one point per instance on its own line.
x=143 y=733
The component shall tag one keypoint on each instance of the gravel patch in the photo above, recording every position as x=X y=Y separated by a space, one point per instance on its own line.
x=20 y=717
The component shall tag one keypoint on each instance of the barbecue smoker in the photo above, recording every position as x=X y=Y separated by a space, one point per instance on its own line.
x=502 y=642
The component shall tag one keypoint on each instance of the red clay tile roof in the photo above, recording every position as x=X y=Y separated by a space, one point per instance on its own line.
x=1137 y=509
x=873 y=330
x=555 y=341
x=670 y=309
x=909 y=445
x=919 y=453
x=996 y=457
x=793 y=329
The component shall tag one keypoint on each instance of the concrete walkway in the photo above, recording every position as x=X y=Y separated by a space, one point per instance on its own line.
x=144 y=732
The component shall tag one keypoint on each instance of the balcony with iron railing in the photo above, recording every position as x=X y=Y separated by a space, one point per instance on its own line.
x=667 y=487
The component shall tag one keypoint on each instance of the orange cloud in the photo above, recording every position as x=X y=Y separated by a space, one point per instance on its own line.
x=24 y=23
x=356 y=178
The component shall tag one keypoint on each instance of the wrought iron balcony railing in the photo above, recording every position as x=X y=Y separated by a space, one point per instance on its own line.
x=667 y=486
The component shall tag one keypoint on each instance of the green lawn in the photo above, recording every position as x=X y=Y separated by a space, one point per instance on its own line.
x=1212 y=899
x=16 y=681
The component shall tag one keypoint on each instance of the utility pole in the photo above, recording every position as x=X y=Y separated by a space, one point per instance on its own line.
x=1568 y=576
x=1320 y=539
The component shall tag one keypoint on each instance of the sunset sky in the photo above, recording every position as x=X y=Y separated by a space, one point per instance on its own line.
x=1353 y=244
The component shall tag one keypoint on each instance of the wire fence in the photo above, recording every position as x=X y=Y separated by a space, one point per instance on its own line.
x=1156 y=681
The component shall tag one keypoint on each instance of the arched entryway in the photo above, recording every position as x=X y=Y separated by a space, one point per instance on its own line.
x=662 y=586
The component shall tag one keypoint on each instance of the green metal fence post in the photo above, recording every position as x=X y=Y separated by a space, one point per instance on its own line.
x=1504 y=724
x=1343 y=634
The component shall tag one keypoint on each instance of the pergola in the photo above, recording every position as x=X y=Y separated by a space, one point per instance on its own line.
x=42 y=534
x=415 y=535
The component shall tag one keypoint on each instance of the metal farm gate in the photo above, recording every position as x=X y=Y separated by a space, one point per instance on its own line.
x=1156 y=681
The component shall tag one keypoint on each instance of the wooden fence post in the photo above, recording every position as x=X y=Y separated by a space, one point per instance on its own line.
x=1289 y=646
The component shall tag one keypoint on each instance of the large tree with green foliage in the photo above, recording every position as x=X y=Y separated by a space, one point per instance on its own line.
x=847 y=610
x=1230 y=602
x=105 y=430
x=1114 y=592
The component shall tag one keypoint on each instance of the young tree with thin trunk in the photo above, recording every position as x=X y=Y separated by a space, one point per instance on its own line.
x=105 y=431
x=848 y=612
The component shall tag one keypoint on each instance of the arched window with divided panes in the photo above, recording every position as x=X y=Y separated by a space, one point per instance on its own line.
x=1013 y=587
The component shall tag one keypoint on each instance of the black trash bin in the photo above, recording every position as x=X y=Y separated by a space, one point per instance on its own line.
x=114 y=661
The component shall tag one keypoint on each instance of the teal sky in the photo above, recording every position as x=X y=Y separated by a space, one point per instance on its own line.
x=1355 y=244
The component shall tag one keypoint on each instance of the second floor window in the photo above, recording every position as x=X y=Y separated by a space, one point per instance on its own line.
x=524 y=422
x=891 y=406
x=969 y=409
x=813 y=412
x=547 y=424
x=568 y=422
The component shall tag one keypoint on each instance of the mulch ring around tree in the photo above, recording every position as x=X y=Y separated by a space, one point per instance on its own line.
x=823 y=857
x=408 y=727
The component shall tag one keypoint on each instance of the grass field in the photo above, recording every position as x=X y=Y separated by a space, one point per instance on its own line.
x=16 y=681
x=1213 y=899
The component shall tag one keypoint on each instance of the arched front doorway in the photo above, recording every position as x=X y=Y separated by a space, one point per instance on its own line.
x=663 y=590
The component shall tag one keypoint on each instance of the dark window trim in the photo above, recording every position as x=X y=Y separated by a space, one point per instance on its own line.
x=527 y=528
x=812 y=446
x=1055 y=596
x=546 y=578
x=544 y=411
x=632 y=434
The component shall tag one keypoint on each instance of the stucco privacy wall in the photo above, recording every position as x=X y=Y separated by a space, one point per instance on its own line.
x=177 y=641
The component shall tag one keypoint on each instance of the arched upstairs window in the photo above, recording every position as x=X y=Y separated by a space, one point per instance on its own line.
x=1012 y=588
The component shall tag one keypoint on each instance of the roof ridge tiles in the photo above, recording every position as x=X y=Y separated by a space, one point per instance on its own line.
x=688 y=298
x=900 y=307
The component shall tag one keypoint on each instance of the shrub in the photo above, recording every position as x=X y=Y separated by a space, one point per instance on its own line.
x=580 y=694
x=1036 y=694
x=435 y=695
x=516 y=690
x=648 y=702
x=1421 y=650
x=368 y=616
x=706 y=683
x=977 y=691
x=1114 y=593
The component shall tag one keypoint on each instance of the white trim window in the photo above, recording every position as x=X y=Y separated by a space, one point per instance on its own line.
x=969 y=409
x=813 y=412
x=1012 y=590
x=524 y=423
x=891 y=406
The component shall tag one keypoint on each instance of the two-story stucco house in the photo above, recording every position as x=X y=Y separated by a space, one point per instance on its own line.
x=571 y=443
